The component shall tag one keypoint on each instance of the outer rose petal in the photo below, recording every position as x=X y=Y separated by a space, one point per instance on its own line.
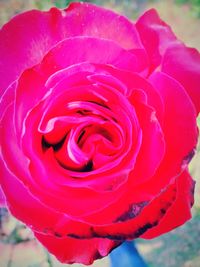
x=179 y=128
x=71 y=250
x=91 y=20
x=156 y=36
x=183 y=64
x=25 y=31
x=137 y=220
x=7 y=98
x=2 y=199
x=180 y=62
x=180 y=211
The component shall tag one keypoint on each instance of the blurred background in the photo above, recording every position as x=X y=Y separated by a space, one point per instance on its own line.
x=179 y=248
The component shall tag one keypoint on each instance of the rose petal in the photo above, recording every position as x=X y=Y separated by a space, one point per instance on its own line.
x=156 y=36
x=90 y=20
x=93 y=50
x=152 y=149
x=17 y=161
x=7 y=99
x=78 y=19
x=71 y=250
x=180 y=129
x=134 y=81
x=180 y=211
x=2 y=199
x=136 y=220
x=183 y=64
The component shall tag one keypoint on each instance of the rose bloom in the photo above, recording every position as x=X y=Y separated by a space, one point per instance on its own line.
x=98 y=126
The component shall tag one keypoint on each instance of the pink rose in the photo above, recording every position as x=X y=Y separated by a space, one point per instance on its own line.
x=98 y=125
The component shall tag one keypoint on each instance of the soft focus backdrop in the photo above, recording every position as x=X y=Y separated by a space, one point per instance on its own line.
x=181 y=247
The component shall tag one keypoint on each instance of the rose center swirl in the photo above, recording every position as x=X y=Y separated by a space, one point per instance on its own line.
x=93 y=133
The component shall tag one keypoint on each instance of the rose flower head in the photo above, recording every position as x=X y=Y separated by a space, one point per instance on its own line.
x=98 y=126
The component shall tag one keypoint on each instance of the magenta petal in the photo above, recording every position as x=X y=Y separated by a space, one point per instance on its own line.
x=17 y=161
x=156 y=36
x=77 y=50
x=72 y=250
x=180 y=211
x=133 y=80
x=152 y=149
x=180 y=130
x=90 y=20
x=2 y=199
x=140 y=216
x=7 y=98
x=23 y=42
x=183 y=64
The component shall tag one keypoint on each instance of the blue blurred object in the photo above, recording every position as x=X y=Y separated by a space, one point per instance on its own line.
x=126 y=255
